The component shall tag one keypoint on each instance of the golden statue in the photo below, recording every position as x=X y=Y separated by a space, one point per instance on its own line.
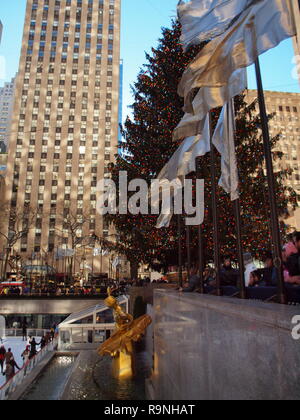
x=119 y=345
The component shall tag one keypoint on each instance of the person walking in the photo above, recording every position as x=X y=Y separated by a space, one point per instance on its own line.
x=33 y=350
x=2 y=357
x=25 y=355
x=10 y=369
x=8 y=356
x=24 y=330
x=43 y=342
x=9 y=372
x=52 y=332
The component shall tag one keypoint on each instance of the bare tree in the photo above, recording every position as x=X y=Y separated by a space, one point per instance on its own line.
x=70 y=229
x=15 y=223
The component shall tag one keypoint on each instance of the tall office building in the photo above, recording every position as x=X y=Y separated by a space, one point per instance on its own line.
x=286 y=121
x=65 y=121
x=6 y=106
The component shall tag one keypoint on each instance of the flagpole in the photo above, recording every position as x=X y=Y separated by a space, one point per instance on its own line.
x=179 y=251
x=200 y=236
x=238 y=224
x=271 y=185
x=188 y=250
x=238 y=227
x=215 y=210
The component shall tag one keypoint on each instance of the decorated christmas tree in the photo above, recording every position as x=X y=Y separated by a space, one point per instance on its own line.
x=148 y=145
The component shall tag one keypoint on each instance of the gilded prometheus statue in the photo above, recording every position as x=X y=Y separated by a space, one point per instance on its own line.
x=119 y=345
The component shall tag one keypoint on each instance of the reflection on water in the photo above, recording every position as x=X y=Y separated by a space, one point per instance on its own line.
x=117 y=389
x=95 y=381
x=51 y=382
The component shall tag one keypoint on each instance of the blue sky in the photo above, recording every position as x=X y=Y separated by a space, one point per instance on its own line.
x=141 y=27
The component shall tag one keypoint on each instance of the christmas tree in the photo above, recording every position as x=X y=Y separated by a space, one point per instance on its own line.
x=148 y=145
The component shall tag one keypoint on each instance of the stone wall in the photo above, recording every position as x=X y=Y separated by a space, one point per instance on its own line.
x=211 y=348
x=146 y=293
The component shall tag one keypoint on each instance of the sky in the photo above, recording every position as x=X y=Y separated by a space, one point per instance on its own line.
x=142 y=21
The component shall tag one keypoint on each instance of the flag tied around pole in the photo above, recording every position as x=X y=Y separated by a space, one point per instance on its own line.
x=63 y=253
x=261 y=27
x=224 y=141
x=116 y=262
x=100 y=251
x=203 y=20
x=207 y=99
x=183 y=162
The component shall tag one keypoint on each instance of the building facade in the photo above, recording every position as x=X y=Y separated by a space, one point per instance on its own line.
x=6 y=107
x=64 y=130
x=286 y=121
x=3 y=166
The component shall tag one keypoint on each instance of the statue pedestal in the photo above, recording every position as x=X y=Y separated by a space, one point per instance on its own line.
x=122 y=366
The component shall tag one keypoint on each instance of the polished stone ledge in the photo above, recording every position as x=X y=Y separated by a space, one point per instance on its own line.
x=218 y=348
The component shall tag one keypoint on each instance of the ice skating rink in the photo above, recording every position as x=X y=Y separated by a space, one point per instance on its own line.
x=17 y=347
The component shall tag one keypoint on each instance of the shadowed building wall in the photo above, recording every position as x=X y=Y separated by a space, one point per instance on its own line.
x=65 y=119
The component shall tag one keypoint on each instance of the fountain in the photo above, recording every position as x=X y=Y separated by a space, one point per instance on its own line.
x=118 y=374
x=120 y=345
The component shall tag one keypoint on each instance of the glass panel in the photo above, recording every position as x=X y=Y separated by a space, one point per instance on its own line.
x=65 y=337
x=87 y=320
x=105 y=317
x=100 y=336
x=77 y=336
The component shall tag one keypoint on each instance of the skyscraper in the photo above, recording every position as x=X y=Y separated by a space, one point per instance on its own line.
x=64 y=129
x=285 y=108
x=6 y=107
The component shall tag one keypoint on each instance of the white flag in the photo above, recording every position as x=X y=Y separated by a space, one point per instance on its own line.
x=207 y=99
x=62 y=253
x=205 y=19
x=97 y=252
x=182 y=163
x=116 y=262
x=223 y=140
x=259 y=28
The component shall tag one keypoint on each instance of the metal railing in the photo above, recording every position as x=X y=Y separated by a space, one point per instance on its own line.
x=10 y=387
x=31 y=332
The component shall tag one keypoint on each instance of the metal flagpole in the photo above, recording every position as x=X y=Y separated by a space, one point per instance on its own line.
x=200 y=237
x=271 y=185
x=188 y=251
x=179 y=251
x=215 y=210
x=238 y=224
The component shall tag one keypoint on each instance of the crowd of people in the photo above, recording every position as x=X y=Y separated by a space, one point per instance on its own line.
x=255 y=276
x=59 y=290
